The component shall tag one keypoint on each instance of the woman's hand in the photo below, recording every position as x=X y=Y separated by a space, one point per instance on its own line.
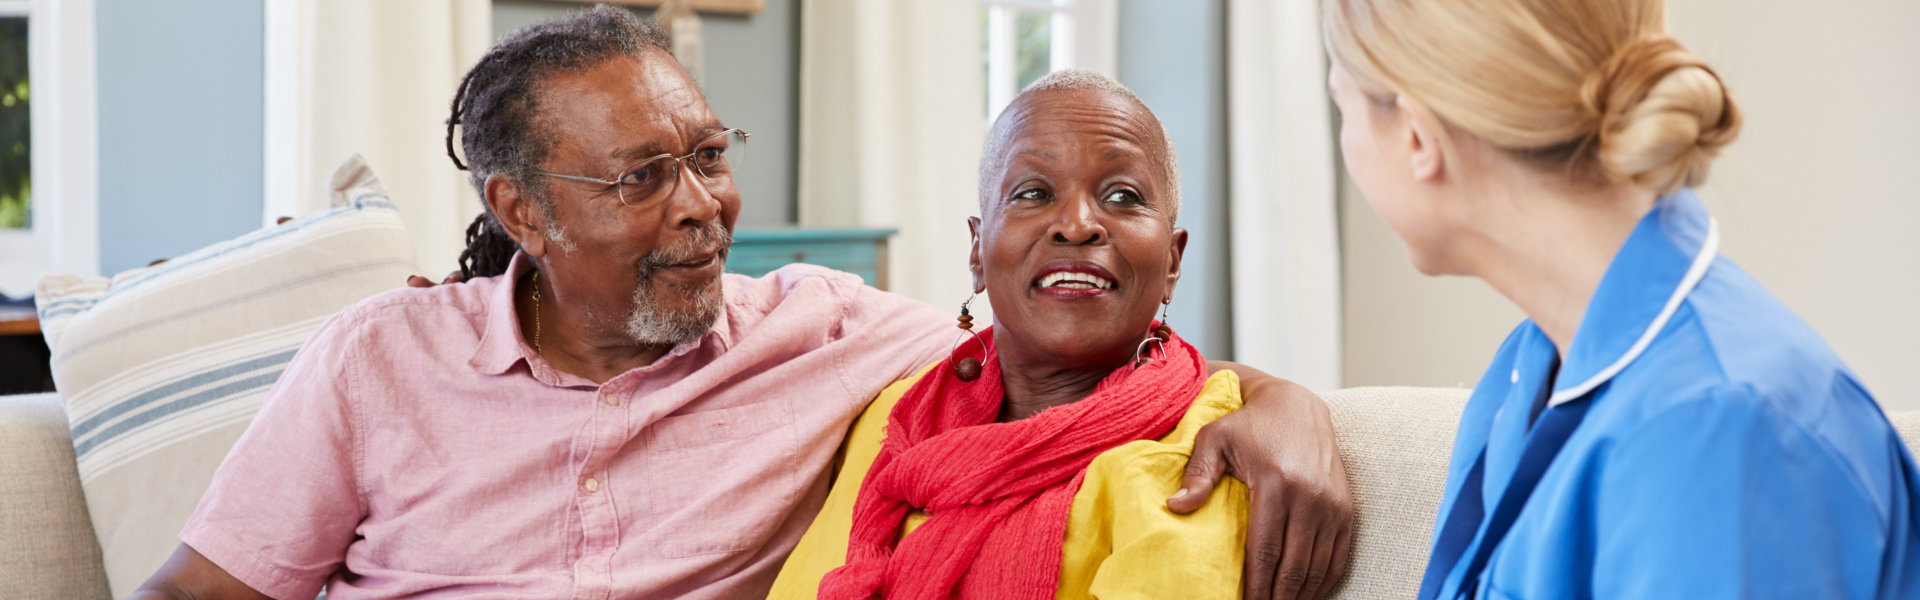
x=1281 y=444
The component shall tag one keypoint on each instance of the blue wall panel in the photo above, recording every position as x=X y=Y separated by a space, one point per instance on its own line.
x=1173 y=55
x=181 y=89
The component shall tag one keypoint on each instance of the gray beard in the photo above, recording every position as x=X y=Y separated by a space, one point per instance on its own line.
x=650 y=322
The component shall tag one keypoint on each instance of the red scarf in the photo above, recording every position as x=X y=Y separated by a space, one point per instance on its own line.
x=996 y=494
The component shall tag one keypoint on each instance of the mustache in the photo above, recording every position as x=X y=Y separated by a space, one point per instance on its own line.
x=698 y=244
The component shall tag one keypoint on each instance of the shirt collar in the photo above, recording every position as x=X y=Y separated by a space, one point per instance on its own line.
x=1661 y=262
x=502 y=345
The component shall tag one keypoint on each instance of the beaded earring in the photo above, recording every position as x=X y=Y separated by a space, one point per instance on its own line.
x=968 y=368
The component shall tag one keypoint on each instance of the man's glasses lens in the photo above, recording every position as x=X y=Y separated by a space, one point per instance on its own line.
x=720 y=155
x=715 y=159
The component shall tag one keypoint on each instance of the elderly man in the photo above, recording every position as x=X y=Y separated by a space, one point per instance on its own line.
x=609 y=416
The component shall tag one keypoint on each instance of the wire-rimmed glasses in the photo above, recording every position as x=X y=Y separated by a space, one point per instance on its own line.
x=714 y=158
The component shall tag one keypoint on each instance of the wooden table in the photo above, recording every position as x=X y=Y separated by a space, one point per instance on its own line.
x=11 y=324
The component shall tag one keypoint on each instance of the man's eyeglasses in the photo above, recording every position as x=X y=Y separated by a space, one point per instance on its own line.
x=714 y=159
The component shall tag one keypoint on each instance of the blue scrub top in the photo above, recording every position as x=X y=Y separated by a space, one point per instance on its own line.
x=1727 y=452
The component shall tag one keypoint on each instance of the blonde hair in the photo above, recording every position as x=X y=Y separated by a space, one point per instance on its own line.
x=1596 y=87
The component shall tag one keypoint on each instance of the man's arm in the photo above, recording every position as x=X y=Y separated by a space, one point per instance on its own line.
x=1281 y=444
x=190 y=576
x=281 y=510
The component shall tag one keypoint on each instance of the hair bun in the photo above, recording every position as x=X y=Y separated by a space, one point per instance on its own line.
x=1660 y=114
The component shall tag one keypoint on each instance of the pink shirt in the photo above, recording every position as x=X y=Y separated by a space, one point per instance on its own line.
x=417 y=445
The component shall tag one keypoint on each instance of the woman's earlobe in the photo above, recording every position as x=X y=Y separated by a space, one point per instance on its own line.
x=1178 y=251
x=973 y=256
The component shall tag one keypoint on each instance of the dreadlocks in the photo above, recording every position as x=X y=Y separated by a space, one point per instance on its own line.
x=497 y=110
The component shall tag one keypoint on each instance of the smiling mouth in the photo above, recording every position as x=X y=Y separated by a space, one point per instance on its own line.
x=698 y=262
x=698 y=265
x=1074 y=281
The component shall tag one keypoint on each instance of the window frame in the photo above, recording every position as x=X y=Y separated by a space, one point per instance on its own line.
x=1083 y=35
x=63 y=234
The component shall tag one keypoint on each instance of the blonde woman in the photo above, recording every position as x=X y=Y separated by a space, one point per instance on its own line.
x=1660 y=426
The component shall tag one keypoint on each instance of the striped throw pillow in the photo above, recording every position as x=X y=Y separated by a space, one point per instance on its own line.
x=162 y=368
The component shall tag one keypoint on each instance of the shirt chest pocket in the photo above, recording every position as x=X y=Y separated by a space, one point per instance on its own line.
x=720 y=481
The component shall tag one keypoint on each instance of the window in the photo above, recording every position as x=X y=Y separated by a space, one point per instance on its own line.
x=1023 y=40
x=16 y=126
x=47 y=159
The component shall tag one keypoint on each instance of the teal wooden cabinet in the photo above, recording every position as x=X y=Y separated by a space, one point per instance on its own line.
x=861 y=252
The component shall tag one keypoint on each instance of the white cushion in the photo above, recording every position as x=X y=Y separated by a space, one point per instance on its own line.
x=1396 y=443
x=163 y=367
x=1907 y=424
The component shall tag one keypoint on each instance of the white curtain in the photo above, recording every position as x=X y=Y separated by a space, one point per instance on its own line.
x=891 y=122
x=1286 y=249
x=373 y=77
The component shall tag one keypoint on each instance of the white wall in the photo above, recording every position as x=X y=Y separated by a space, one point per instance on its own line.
x=1819 y=200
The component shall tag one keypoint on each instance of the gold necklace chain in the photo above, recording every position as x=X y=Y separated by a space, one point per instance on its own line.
x=536 y=313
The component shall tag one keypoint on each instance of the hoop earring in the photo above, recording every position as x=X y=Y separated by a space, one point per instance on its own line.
x=967 y=368
x=1158 y=337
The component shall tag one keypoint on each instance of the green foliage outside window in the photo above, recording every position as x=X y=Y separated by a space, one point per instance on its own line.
x=16 y=127
x=1033 y=33
x=1032 y=51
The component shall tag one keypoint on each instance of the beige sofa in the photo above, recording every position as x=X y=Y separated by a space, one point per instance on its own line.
x=1395 y=441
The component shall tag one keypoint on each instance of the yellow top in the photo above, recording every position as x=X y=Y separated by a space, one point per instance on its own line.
x=1122 y=542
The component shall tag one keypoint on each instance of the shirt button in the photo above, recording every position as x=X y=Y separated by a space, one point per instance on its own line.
x=586 y=569
x=1515 y=377
x=611 y=401
x=593 y=485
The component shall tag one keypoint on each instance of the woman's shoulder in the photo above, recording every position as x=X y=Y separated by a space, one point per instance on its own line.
x=1218 y=397
x=1120 y=535
x=1162 y=461
x=1747 y=363
x=1743 y=349
x=1733 y=388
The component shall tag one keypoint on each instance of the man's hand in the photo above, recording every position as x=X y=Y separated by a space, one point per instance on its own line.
x=1281 y=444
x=422 y=282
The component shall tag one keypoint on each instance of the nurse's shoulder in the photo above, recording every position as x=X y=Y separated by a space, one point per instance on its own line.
x=1759 y=343
x=1736 y=359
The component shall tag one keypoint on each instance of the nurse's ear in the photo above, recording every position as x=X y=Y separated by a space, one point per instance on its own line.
x=1420 y=132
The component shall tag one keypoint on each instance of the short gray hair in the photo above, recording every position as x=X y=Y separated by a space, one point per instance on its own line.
x=1088 y=81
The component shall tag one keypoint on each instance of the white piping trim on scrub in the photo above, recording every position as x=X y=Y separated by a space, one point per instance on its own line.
x=1708 y=250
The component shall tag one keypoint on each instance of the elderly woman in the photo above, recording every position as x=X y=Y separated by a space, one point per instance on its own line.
x=1040 y=470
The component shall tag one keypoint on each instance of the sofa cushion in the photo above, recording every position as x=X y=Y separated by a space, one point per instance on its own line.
x=50 y=549
x=1908 y=425
x=1396 y=443
x=161 y=368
